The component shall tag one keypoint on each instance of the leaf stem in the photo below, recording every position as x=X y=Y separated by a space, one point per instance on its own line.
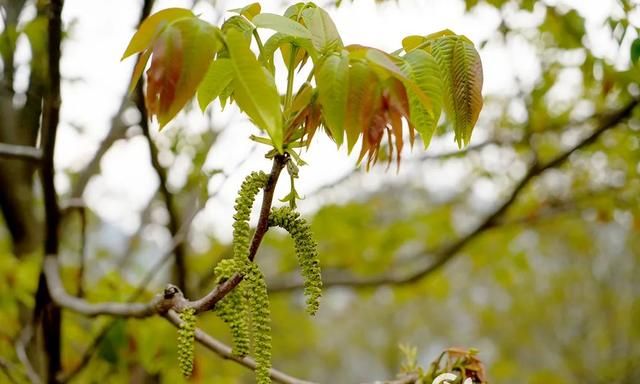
x=258 y=41
x=290 y=75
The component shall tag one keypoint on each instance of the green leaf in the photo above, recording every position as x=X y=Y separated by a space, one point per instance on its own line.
x=254 y=89
x=361 y=95
x=461 y=70
x=181 y=56
x=325 y=36
x=281 y=24
x=635 y=51
x=249 y=11
x=332 y=81
x=238 y=23
x=424 y=70
x=218 y=77
x=277 y=41
x=151 y=27
x=384 y=61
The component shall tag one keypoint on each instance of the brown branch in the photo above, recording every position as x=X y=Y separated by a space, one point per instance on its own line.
x=22 y=152
x=446 y=253
x=46 y=311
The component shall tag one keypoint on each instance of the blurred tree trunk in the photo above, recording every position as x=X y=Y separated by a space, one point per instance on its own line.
x=19 y=125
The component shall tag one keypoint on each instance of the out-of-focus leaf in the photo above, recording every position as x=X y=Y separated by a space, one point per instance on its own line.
x=181 y=56
x=151 y=28
x=249 y=11
x=332 y=81
x=110 y=348
x=635 y=51
x=281 y=24
x=238 y=23
x=325 y=36
x=254 y=89
x=218 y=77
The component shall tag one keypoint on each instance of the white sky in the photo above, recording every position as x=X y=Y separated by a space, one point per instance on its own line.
x=101 y=30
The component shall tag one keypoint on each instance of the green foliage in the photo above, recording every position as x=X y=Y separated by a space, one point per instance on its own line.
x=186 y=341
x=232 y=309
x=359 y=91
x=306 y=252
x=244 y=203
x=635 y=51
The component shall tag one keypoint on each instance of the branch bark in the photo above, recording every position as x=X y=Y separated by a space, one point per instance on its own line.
x=23 y=152
x=46 y=309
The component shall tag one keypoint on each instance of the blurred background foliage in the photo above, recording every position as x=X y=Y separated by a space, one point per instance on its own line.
x=548 y=291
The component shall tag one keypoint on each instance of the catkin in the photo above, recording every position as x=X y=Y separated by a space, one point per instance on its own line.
x=260 y=320
x=186 y=341
x=232 y=309
x=243 y=205
x=306 y=252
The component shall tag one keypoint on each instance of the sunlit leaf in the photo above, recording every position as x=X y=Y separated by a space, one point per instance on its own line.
x=362 y=89
x=218 y=77
x=249 y=11
x=384 y=61
x=325 y=36
x=424 y=70
x=461 y=71
x=151 y=28
x=332 y=81
x=181 y=57
x=254 y=89
x=281 y=24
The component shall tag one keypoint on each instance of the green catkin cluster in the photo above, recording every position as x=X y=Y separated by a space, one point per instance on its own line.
x=186 y=341
x=306 y=252
x=256 y=293
x=241 y=230
x=232 y=309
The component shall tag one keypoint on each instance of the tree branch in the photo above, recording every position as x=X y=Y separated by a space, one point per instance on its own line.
x=446 y=253
x=22 y=152
x=45 y=308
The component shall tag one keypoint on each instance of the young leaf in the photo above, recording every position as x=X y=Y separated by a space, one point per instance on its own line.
x=384 y=61
x=181 y=56
x=424 y=70
x=462 y=78
x=218 y=77
x=151 y=28
x=332 y=81
x=254 y=89
x=249 y=11
x=281 y=24
x=362 y=88
x=325 y=36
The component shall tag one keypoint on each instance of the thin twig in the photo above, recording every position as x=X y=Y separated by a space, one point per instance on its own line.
x=23 y=152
